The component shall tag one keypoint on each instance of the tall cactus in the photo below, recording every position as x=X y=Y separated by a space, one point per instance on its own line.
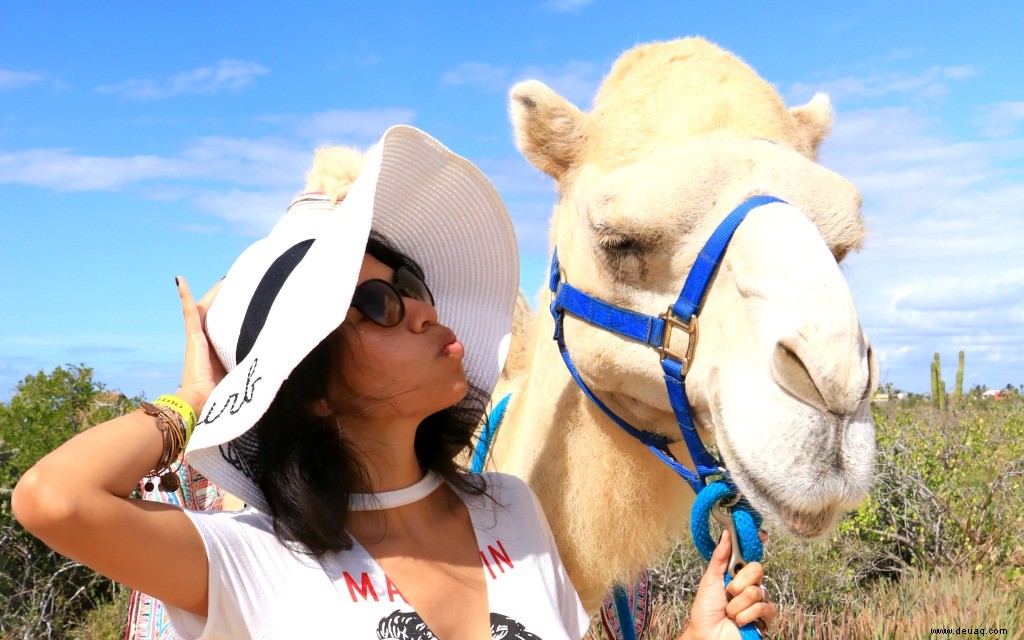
x=958 y=392
x=939 y=395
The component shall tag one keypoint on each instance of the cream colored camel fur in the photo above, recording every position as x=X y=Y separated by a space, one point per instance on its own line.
x=682 y=132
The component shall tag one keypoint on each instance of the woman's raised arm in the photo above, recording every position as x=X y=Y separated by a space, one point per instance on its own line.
x=75 y=498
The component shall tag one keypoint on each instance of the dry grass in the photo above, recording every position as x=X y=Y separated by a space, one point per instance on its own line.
x=909 y=608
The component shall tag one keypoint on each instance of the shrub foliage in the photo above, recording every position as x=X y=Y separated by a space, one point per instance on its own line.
x=43 y=594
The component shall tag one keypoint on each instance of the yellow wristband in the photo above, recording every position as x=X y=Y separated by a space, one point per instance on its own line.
x=182 y=408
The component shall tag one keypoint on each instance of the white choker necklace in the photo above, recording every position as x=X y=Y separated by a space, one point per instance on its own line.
x=396 y=498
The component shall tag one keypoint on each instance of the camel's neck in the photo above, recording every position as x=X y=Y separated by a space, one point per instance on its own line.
x=613 y=506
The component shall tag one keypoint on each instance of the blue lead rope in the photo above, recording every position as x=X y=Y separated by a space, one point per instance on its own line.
x=483 y=445
x=747 y=523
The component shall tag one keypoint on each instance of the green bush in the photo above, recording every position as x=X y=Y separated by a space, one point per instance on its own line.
x=43 y=594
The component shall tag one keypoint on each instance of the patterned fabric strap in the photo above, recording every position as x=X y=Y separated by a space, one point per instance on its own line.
x=146 y=618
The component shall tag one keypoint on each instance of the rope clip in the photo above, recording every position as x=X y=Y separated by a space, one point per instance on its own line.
x=722 y=513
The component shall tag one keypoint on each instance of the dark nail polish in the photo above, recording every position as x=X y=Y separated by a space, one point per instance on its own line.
x=176 y=283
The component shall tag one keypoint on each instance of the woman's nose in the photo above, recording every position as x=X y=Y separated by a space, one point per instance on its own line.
x=419 y=314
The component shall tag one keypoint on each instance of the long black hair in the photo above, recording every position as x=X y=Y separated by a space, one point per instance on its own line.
x=306 y=469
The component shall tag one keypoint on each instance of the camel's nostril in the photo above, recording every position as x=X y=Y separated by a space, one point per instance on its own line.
x=792 y=375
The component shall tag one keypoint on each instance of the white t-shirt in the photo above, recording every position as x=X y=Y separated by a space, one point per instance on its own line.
x=261 y=590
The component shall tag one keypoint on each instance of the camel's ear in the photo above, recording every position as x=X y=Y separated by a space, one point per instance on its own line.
x=548 y=127
x=334 y=170
x=814 y=121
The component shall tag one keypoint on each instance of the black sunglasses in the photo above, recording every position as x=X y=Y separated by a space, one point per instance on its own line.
x=381 y=301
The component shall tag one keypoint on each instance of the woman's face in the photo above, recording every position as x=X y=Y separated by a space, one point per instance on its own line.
x=412 y=369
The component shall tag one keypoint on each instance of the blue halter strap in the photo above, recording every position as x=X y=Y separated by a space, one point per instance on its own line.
x=659 y=333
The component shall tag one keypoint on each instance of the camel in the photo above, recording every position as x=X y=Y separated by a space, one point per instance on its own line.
x=680 y=133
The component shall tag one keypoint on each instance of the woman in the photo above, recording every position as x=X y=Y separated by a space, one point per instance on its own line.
x=334 y=402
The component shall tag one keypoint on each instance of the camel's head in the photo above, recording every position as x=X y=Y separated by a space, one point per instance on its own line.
x=680 y=134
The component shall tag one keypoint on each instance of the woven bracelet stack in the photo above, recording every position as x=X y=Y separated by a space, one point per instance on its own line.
x=175 y=419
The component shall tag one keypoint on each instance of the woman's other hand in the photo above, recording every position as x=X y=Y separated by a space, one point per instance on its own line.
x=718 y=611
x=202 y=370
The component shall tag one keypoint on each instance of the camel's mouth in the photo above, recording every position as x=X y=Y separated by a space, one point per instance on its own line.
x=807 y=512
x=799 y=523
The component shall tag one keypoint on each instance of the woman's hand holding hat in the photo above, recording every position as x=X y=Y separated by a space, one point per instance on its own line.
x=202 y=370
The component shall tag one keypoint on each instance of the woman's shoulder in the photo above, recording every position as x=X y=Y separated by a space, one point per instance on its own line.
x=246 y=533
x=505 y=487
x=245 y=517
x=503 y=480
x=244 y=525
x=508 y=494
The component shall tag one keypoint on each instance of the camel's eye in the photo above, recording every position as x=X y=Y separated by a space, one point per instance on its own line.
x=618 y=243
x=624 y=254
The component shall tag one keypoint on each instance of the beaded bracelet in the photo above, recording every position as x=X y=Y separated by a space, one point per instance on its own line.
x=172 y=425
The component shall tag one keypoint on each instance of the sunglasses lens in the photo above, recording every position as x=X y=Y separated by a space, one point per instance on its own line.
x=411 y=286
x=379 y=302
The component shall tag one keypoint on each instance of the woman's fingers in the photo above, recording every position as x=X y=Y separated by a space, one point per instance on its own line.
x=193 y=322
x=765 y=611
x=202 y=370
x=204 y=303
x=747 y=598
x=751 y=574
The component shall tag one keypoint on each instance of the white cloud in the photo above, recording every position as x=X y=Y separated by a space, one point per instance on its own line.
x=226 y=160
x=10 y=80
x=930 y=83
x=62 y=170
x=339 y=125
x=251 y=213
x=230 y=75
x=565 y=6
x=1000 y=119
x=245 y=182
x=529 y=196
x=940 y=272
x=576 y=80
x=486 y=76
x=271 y=161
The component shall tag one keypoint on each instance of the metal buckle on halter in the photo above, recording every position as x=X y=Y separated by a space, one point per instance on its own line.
x=689 y=328
x=722 y=512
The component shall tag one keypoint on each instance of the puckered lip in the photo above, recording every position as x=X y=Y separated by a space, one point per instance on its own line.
x=446 y=338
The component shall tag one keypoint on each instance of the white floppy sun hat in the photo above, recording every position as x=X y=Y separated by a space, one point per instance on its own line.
x=288 y=291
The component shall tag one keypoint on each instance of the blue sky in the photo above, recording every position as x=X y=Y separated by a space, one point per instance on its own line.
x=143 y=140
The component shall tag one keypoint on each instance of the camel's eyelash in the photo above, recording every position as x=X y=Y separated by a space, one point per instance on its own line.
x=621 y=243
